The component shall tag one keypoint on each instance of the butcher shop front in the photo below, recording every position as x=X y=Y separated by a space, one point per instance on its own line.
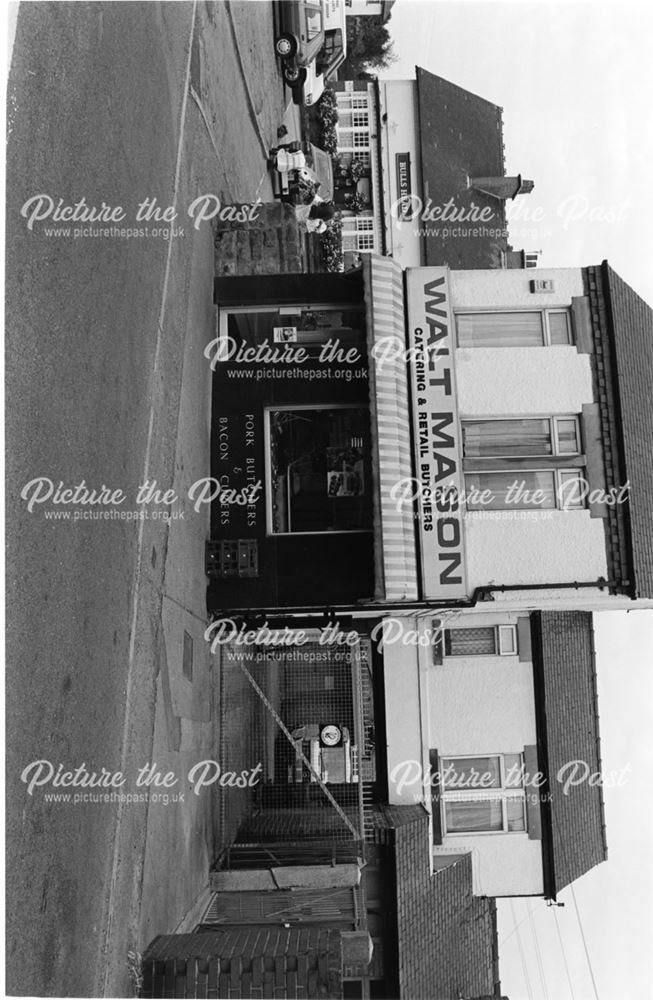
x=308 y=435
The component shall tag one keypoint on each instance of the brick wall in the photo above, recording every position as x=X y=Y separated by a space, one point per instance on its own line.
x=447 y=937
x=268 y=963
x=272 y=243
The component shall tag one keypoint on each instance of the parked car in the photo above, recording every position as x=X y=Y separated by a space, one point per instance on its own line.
x=328 y=60
x=300 y=37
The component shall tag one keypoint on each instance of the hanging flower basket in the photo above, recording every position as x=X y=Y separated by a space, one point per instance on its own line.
x=356 y=169
x=355 y=203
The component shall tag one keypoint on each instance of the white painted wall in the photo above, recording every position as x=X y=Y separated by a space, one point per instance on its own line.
x=510 y=288
x=518 y=381
x=507 y=864
x=506 y=547
x=403 y=716
x=484 y=704
x=399 y=135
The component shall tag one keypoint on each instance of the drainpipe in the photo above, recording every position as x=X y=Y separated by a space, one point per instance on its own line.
x=480 y=595
x=379 y=149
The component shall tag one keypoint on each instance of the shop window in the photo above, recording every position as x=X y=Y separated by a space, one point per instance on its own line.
x=319 y=470
x=483 y=794
x=533 y=328
x=311 y=327
x=528 y=437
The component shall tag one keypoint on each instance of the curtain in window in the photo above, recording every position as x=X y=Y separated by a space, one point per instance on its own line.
x=496 y=438
x=514 y=329
x=470 y=641
x=465 y=773
x=474 y=816
x=500 y=483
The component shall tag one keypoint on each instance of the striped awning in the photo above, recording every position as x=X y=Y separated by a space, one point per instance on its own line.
x=395 y=548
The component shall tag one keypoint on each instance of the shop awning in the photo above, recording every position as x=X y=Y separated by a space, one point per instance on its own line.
x=395 y=549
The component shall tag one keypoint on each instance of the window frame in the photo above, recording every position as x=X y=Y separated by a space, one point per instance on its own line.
x=267 y=439
x=554 y=435
x=557 y=473
x=501 y=794
x=496 y=629
x=544 y=313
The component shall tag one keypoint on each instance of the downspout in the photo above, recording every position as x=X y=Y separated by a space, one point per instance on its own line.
x=480 y=595
x=379 y=150
x=548 y=859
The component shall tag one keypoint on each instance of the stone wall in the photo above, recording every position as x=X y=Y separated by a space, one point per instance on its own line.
x=271 y=243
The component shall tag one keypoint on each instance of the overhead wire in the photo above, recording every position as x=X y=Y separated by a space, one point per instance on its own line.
x=527 y=979
x=564 y=953
x=538 y=954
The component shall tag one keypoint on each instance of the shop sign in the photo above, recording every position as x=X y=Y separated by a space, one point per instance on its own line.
x=436 y=433
x=237 y=465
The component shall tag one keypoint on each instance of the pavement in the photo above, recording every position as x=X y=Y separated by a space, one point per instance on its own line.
x=106 y=384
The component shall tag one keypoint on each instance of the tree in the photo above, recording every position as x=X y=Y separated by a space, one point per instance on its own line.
x=369 y=47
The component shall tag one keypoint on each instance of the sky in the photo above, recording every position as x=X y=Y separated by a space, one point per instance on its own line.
x=575 y=82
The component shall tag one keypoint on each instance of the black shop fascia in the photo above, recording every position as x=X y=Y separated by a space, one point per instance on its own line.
x=309 y=433
x=290 y=443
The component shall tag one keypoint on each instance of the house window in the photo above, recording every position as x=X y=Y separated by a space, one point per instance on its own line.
x=535 y=328
x=358 y=233
x=521 y=438
x=497 y=456
x=483 y=794
x=490 y=640
x=319 y=469
x=354 y=140
x=354 y=118
x=352 y=100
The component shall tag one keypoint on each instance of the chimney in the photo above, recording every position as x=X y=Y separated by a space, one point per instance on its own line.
x=501 y=187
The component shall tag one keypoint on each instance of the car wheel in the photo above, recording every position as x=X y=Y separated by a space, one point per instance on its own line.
x=292 y=75
x=285 y=46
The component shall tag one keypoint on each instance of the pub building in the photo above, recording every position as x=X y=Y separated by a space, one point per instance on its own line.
x=429 y=439
x=420 y=175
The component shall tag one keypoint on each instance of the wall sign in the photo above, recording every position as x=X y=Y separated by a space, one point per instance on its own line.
x=404 y=192
x=438 y=463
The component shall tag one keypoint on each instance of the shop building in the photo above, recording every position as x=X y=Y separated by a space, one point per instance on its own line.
x=422 y=175
x=508 y=461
